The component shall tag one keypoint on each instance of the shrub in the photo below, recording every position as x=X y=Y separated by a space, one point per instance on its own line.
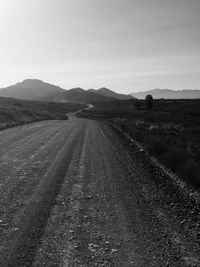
x=137 y=104
x=149 y=102
x=18 y=104
x=174 y=158
x=6 y=115
x=190 y=171
x=156 y=145
x=28 y=112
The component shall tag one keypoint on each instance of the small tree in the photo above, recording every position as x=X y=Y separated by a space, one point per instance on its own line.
x=137 y=104
x=149 y=102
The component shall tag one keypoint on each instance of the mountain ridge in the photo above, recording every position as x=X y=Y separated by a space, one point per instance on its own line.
x=29 y=89
x=109 y=93
x=158 y=93
x=34 y=89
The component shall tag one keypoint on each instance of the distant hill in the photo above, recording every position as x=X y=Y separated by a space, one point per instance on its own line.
x=33 y=89
x=30 y=89
x=169 y=94
x=76 y=95
x=109 y=93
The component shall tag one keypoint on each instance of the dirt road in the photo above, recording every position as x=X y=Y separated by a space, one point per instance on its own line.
x=72 y=195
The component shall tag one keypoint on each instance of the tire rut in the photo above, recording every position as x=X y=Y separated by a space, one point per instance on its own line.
x=64 y=221
x=37 y=212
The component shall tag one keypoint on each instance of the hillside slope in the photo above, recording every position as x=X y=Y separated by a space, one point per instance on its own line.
x=109 y=93
x=15 y=112
x=76 y=95
x=30 y=89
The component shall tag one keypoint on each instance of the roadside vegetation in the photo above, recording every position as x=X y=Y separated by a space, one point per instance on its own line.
x=168 y=130
x=14 y=112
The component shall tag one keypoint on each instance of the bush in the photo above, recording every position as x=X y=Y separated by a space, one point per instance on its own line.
x=190 y=171
x=27 y=112
x=156 y=145
x=137 y=104
x=149 y=102
x=6 y=116
x=174 y=158
x=18 y=104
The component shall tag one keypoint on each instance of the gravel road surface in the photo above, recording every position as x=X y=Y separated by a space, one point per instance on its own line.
x=72 y=195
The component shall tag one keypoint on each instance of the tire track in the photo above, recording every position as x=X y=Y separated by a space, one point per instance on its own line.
x=24 y=178
x=75 y=205
x=12 y=148
x=65 y=215
x=37 y=211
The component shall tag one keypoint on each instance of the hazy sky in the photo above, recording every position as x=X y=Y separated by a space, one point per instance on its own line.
x=126 y=45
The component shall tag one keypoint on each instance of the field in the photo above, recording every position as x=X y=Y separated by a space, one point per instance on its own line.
x=170 y=132
x=14 y=112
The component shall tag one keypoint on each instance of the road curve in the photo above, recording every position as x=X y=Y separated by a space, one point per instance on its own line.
x=72 y=195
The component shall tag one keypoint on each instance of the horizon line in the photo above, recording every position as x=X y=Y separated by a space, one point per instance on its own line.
x=95 y=88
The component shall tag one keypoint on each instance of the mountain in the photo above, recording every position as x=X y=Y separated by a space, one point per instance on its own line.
x=30 y=89
x=33 y=89
x=76 y=95
x=109 y=93
x=169 y=94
